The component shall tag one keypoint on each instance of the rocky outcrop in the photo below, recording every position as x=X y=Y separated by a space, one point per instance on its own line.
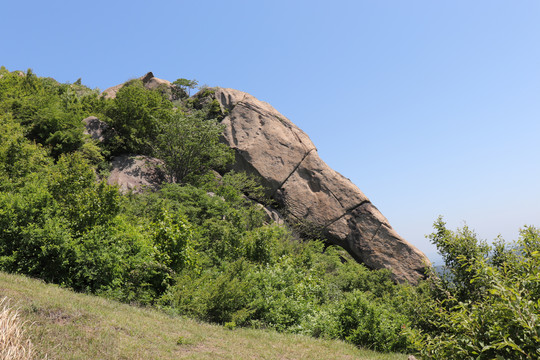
x=98 y=130
x=150 y=82
x=136 y=172
x=309 y=192
x=271 y=146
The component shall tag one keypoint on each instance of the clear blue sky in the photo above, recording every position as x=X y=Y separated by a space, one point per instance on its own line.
x=430 y=107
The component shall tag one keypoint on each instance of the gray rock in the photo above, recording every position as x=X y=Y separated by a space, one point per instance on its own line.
x=266 y=143
x=136 y=173
x=271 y=146
x=97 y=129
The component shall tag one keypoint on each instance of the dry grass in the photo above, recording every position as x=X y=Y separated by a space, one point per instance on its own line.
x=67 y=325
x=13 y=344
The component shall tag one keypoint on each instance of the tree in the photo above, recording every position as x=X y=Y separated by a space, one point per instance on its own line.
x=186 y=85
x=135 y=114
x=460 y=249
x=189 y=145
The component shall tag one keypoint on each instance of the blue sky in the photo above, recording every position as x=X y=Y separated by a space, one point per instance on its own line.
x=430 y=107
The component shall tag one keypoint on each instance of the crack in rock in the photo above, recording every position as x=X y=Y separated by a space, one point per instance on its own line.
x=292 y=172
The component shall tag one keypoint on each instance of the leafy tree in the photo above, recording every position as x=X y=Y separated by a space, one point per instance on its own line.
x=459 y=250
x=135 y=114
x=83 y=201
x=190 y=146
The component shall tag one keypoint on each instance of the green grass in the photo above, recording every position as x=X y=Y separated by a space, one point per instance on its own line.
x=65 y=325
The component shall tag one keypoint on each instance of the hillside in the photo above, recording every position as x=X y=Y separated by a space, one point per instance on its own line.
x=148 y=196
x=66 y=325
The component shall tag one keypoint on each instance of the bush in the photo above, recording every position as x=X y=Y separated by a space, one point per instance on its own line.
x=50 y=112
x=135 y=114
x=172 y=237
x=493 y=316
x=284 y=294
x=217 y=296
x=364 y=322
x=18 y=156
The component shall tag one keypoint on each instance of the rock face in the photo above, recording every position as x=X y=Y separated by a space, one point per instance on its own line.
x=271 y=146
x=136 y=172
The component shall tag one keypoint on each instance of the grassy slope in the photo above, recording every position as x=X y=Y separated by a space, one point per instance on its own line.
x=67 y=325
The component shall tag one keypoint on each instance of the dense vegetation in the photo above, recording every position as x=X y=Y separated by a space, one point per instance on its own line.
x=200 y=246
x=59 y=324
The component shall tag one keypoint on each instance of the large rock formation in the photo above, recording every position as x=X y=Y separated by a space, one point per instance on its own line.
x=271 y=146
x=308 y=190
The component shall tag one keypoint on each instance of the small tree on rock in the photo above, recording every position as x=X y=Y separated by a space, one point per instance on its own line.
x=186 y=85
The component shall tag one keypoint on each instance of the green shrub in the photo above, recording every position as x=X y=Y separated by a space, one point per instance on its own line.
x=50 y=112
x=502 y=323
x=263 y=245
x=238 y=187
x=284 y=294
x=18 y=156
x=459 y=250
x=364 y=322
x=135 y=114
x=80 y=198
x=172 y=237
x=217 y=296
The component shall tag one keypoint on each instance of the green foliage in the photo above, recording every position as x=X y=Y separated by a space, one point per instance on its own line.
x=236 y=185
x=460 y=250
x=189 y=145
x=216 y=296
x=290 y=288
x=172 y=238
x=364 y=322
x=201 y=248
x=18 y=156
x=135 y=114
x=50 y=112
x=206 y=102
x=184 y=86
x=91 y=152
x=52 y=126
x=495 y=314
x=58 y=223
x=262 y=245
x=81 y=200
x=284 y=294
